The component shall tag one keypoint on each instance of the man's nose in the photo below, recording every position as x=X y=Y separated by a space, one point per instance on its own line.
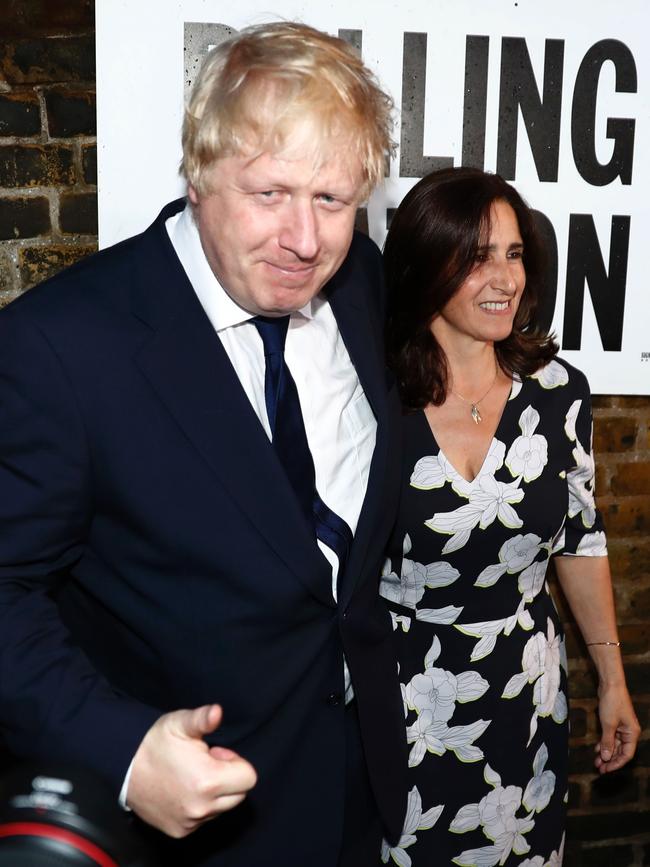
x=299 y=232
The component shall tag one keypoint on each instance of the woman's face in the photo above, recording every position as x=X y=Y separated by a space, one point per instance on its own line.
x=484 y=307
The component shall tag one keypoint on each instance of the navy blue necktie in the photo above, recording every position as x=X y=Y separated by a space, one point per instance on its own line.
x=290 y=439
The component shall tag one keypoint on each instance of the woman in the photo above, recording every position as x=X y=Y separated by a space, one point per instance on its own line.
x=498 y=477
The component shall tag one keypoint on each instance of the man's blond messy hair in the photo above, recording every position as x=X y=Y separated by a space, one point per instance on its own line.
x=285 y=85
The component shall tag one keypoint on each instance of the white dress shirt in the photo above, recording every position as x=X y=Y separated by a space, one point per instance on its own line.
x=339 y=422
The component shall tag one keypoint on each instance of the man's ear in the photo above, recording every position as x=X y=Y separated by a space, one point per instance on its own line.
x=192 y=194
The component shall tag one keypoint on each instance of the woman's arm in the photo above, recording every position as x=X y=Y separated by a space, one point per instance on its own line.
x=587 y=586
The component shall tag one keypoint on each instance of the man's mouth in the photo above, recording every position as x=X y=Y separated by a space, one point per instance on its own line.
x=296 y=270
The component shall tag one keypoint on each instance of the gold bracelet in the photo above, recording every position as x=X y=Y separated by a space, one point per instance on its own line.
x=606 y=643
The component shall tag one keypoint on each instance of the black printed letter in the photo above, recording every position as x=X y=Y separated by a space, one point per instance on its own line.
x=607 y=290
x=413 y=163
x=583 y=115
x=541 y=116
x=477 y=49
x=548 y=294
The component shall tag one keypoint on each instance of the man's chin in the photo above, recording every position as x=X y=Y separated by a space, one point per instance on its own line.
x=281 y=299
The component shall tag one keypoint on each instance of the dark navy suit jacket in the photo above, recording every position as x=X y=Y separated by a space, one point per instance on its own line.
x=153 y=555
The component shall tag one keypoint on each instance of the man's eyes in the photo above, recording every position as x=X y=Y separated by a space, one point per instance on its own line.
x=329 y=200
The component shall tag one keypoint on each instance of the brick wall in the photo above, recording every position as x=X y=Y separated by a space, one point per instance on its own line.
x=48 y=219
x=609 y=819
x=48 y=155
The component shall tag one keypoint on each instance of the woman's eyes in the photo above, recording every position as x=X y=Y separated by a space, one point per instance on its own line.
x=482 y=257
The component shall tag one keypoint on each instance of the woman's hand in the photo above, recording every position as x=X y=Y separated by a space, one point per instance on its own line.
x=620 y=728
x=587 y=585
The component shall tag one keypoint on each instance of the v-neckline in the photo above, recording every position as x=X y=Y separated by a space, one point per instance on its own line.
x=441 y=454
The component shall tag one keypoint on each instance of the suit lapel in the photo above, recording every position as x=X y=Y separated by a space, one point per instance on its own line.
x=189 y=369
x=348 y=295
x=361 y=329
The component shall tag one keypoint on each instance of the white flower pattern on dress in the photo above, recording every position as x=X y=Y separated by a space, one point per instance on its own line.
x=496 y=815
x=400 y=620
x=518 y=553
x=528 y=455
x=552 y=375
x=407 y=588
x=433 y=695
x=435 y=691
x=517 y=385
x=580 y=478
x=532 y=579
x=487 y=631
x=515 y=554
x=570 y=420
x=415 y=820
x=488 y=501
x=428 y=474
x=556 y=858
x=541 y=667
x=592 y=545
x=538 y=792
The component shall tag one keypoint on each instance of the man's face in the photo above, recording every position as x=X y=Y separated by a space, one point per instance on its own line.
x=275 y=228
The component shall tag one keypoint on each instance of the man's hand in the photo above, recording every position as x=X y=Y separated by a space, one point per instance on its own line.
x=177 y=781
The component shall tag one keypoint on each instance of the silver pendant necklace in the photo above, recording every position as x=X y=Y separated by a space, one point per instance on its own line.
x=474 y=411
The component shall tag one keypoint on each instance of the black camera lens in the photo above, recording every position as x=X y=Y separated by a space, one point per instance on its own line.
x=54 y=817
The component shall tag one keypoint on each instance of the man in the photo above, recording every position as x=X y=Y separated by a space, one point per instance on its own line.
x=197 y=476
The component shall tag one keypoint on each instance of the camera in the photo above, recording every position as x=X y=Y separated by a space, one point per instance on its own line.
x=53 y=816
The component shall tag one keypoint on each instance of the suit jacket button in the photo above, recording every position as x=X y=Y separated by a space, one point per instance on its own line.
x=334 y=699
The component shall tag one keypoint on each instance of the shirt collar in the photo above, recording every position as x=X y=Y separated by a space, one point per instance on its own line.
x=222 y=311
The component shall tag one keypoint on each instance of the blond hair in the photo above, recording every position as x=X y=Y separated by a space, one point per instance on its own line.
x=256 y=91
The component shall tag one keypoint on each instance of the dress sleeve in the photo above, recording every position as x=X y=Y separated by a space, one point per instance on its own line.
x=583 y=533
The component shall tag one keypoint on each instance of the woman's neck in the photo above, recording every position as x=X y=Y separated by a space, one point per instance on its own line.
x=471 y=365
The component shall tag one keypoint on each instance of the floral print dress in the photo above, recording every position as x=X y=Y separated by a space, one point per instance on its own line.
x=482 y=664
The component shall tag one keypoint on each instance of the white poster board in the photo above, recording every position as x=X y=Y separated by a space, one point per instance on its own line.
x=555 y=96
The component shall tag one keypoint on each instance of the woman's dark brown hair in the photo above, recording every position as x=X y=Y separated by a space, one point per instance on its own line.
x=430 y=250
